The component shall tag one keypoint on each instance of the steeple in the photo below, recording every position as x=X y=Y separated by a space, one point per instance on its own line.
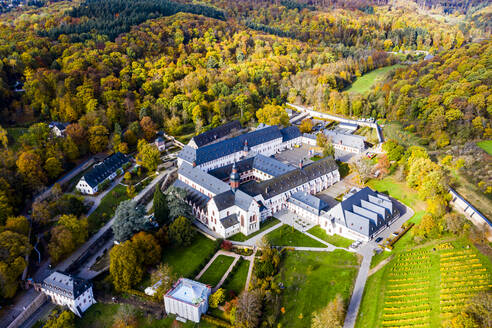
x=234 y=178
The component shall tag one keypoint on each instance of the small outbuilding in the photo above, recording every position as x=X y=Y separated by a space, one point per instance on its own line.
x=188 y=299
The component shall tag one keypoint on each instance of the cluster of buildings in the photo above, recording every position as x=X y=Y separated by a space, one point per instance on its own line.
x=107 y=170
x=234 y=183
x=342 y=138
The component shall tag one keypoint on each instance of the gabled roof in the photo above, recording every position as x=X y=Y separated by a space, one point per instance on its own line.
x=291 y=179
x=230 y=198
x=194 y=196
x=308 y=202
x=270 y=165
x=66 y=285
x=290 y=132
x=229 y=146
x=349 y=140
x=203 y=179
x=363 y=211
x=229 y=221
x=102 y=170
x=216 y=133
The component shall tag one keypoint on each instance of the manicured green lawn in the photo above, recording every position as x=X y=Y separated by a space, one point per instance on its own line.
x=486 y=145
x=366 y=81
x=105 y=211
x=238 y=280
x=315 y=158
x=423 y=285
x=312 y=280
x=399 y=190
x=286 y=235
x=268 y=223
x=335 y=240
x=216 y=270
x=102 y=315
x=186 y=260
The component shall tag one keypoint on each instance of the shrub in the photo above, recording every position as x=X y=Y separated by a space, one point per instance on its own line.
x=226 y=245
x=217 y=298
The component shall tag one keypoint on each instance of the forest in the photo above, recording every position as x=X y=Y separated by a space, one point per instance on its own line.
x=117 y=72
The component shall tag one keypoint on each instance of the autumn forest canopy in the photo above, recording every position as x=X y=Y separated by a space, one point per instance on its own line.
x=118 y=71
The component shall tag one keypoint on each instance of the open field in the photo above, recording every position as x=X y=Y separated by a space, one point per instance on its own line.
x=238 y=279
x=486 y=145
x=424 y=285
x=312 y=280
x=186 y=260
x=395 y=131
x=268 y=223
x=288 y=236
x=368 y=132
x=216 y=270
x=366 y=81
x=335 y=240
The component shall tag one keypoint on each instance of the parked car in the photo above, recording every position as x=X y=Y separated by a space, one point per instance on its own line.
x=371 y=155
x=395 y=233
x=378 y=239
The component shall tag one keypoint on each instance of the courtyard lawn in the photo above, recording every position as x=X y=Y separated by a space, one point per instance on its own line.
x=216 y=270
x=486 y=145
x=425 y=285
x=335 y=240
x=268 y=223
x=365 y=82
x=185 y=261
x=105 y=211
x=286 y=235
x=238 y=280
x=312 y=280
x=102 y=315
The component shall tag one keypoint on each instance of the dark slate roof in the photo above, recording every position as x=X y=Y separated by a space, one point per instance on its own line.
x=102 y=170
x=223 y=172
x=216 y=133
x=289 y=133
x=260 y=162
x=229 y=146
x=231 y=198
x=66 y=285
x=229 y=221
x=364 y=211
x=291 y=179
x=194 y=196
x=309 y=202
x=203 y=179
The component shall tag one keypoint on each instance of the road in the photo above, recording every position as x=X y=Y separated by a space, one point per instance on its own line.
x=25 y=298
x=366 y=250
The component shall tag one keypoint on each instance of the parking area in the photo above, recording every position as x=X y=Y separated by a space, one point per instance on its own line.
x=294 y=155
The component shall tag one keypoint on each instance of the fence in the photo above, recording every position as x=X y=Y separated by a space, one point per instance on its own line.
x=461 y=205
x=30 y=309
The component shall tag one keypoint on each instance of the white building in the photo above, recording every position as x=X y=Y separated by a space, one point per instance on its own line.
x=360 y=215
x=65 y=290
x=58 y=128
x=106 y=170
x=233 y=185
x=187 y=299
x=160 y=143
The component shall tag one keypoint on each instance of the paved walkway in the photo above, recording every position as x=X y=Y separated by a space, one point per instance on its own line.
x=253 y=240
x=219 y=252
x=224 y=277
x=367 y=251
x=250 y=269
